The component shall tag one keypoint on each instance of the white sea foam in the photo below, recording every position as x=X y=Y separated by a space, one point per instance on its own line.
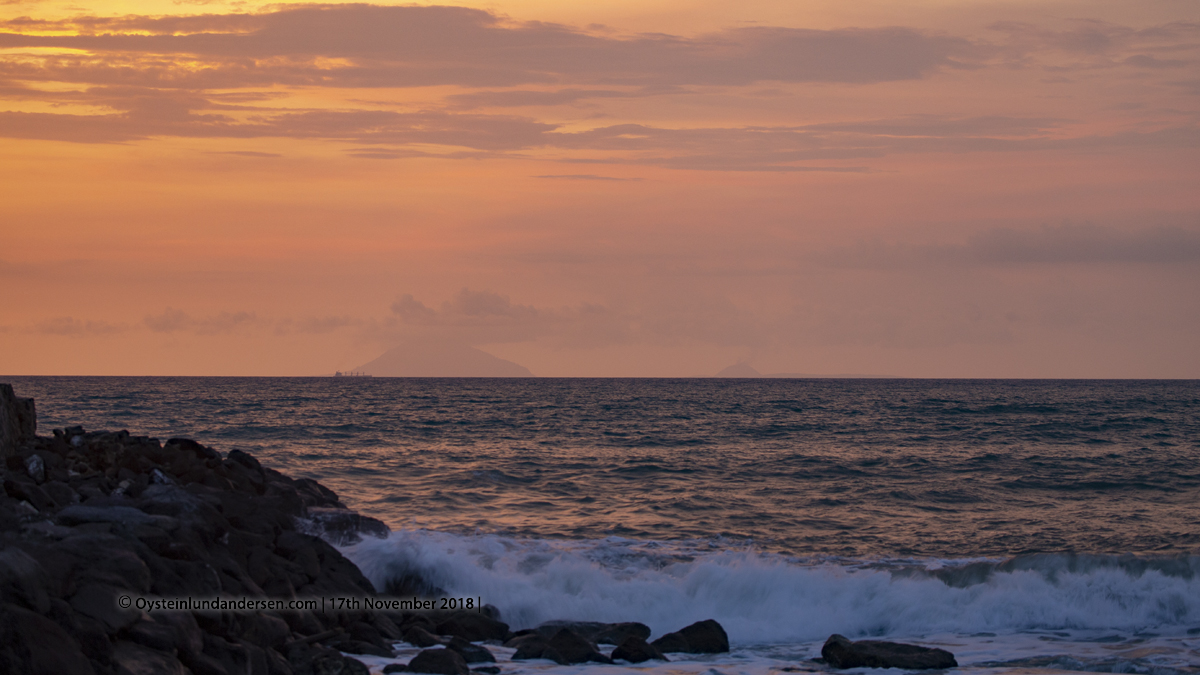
x=765 y=599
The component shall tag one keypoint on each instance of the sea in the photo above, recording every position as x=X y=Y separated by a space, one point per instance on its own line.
x=1027 y=526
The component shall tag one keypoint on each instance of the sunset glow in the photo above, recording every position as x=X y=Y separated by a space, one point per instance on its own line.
x=943 y=189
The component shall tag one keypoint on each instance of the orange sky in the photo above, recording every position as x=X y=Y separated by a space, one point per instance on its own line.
x=929 y=189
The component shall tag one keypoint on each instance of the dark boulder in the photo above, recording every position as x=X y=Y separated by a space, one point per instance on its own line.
x=533 y=646
x=471 y=653
x=417 y=635
x=617 y=633
x=343 y=527
x=574 y=648
x=136 y=659
x=440 y=662
x=597 y=632
x=840 y=652
x=706 y=637
x=31 y=643
x=702 y=637
x=672 y=642
x=18 y=420
x=473 y=627
x=636 y=650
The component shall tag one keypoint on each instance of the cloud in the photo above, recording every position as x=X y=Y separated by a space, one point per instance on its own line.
x=173 y=320
x=586 y=176
x=484 y=317
x=427 y=46
x=315 y=325
x=1085 y=243
x=248 y=153
x=1047 y=245
x=524 y=97
x=71 y=327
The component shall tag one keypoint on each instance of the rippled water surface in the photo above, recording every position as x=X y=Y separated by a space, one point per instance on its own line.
x=858 y=468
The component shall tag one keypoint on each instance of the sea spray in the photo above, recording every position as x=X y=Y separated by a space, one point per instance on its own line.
x=764 y=598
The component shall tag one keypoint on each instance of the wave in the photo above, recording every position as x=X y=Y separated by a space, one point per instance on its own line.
x=768 y=599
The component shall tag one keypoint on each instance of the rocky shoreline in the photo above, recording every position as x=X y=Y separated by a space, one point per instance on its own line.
x=93 y=525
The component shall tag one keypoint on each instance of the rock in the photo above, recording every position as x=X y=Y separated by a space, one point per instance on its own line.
x=342 y=527
x=439 y=661
x=706 y=637
x=86 y=517
x=126 y=516
x=617 y=633
x=416 y=635
x=152 y=634
x=636 y=650
x=32 y=644
x=31 y=493
x=99 y=601
x=473 y=627
x=18 y=420
x=471 y=653
x=702 y=637
x=394 y=668
x=574 y=648
x=671 y=643
x=136 y=659
x=597 y=632
x=265 y=630
x=35 y=466
x=23 y=581
x=534 y=646
x=840 y=652
x=487 y=670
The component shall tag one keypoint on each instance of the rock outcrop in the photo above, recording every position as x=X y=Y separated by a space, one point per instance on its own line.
x=840 y=652
x=702 y=637
x=18 y=420
x=92 y=522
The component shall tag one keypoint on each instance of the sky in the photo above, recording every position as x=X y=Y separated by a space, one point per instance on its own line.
x=657 y=188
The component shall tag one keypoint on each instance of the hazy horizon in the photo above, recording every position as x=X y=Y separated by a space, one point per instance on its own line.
x=943 y=189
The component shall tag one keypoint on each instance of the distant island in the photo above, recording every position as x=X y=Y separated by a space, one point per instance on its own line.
x=440 y=359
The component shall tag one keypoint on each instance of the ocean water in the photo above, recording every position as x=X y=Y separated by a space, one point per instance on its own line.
x=1026 y=526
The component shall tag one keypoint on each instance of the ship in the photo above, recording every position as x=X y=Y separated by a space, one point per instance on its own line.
x=350 y=373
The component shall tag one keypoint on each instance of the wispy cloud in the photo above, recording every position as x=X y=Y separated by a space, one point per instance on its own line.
x=173 y=320
x=66 y=326
x=585 y=176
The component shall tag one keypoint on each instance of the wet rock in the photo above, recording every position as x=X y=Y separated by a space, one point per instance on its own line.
x=439 y=661
x=840 y=652
x=671 y=643
x=533 y=646
x=473 y=627
x=471 y=653
x=574 y=648
x=417 y=635
x=636 y=650
x=702 y=637
x=617 y=633
x=597 y=632
x=706 y=637
x=342 y=526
